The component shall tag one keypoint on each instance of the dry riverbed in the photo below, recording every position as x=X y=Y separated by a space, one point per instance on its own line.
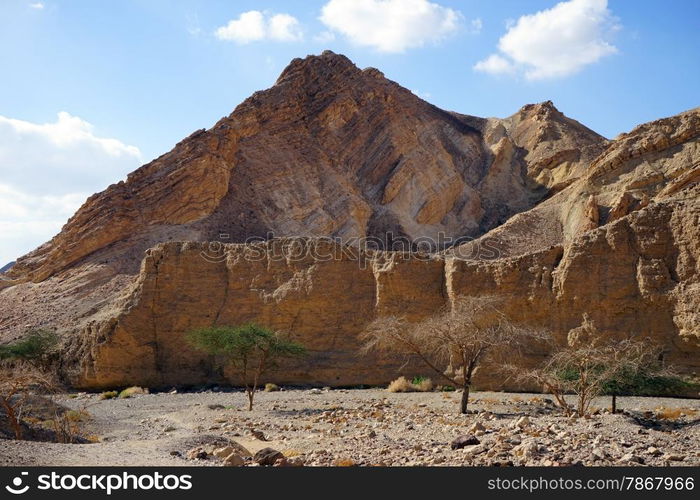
x=368 y=427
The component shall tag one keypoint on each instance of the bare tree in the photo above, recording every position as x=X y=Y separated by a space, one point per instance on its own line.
x=17 y=381
x=589 y=371
x=453 y=343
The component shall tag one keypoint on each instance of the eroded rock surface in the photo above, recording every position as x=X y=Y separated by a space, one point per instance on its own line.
x=568 y=225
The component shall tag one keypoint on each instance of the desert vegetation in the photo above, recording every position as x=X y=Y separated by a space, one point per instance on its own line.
x=591 y=368
x=455 y=342
x=250 y=350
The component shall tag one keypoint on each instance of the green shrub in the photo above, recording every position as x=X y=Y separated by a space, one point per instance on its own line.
x=132 y=391
x=36 y=346
x=249 y=349
x=109 y=395
x=271 y=388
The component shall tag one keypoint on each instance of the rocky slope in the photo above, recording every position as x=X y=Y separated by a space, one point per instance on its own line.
x=568 y=225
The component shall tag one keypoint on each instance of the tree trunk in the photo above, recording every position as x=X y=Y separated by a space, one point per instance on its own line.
x=12 y=418
x=613 y=409
x=251 y=395
x=465 y=399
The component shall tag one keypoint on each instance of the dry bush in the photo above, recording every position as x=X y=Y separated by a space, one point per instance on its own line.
x=109 y=395
x=132 y=391
x=589 y=371
x=67 y=426
x=402 y=384
x=18 y=380
x=453 y=343
x=423 y=385
x=271 y=387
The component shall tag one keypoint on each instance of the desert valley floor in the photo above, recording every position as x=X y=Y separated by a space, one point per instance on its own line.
x=368 y=427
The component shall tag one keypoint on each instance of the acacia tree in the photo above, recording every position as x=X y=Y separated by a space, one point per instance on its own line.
x=249 y=349
x=24 y=369
x=18 y=378
x=614 y=368
x=37 y=347
x=453 y=343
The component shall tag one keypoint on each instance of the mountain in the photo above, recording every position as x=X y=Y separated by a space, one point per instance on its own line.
x=7 y=266
x=565 y=225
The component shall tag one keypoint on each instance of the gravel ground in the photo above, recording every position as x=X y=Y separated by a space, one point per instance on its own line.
x=370 y=427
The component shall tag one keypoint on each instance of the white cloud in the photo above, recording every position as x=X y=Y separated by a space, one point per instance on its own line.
x=391 y=25
x=37 y=5
x=284 y=28
x=47 y=171
x=254 y=26
x=556 y=42
x=495 y=65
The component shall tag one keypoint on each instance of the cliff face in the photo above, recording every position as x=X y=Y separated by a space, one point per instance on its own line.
x=567 y=225
x=636 y=276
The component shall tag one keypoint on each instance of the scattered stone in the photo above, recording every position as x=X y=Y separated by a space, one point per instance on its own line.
x=224 y=452
x=258 y=435
x=475 y=427
x=526 y=450
x=654 y=452
x=267 y=456
x=630 y=458
x=197 y=454
x=521 y=423
x=316 y=391
x=464 y=440
x=234 y=460
x=474 y=450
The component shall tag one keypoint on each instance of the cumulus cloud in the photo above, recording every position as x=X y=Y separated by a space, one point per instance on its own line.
x=496 y=65
x=556 y=42
x=390 y=25
x=254 y=26
x=36 y=5
x=46 y=171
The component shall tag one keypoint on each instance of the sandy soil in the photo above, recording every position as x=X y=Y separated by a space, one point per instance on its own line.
x=370 y=427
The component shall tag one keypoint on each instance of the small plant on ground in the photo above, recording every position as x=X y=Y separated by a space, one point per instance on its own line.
x=132 y=391
x=271 y=387
x=249 y=349
x=418 y=384
x=109 y=395
x=67 y=426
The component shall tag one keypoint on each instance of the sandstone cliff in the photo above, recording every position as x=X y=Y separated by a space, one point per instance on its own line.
x=566 y=223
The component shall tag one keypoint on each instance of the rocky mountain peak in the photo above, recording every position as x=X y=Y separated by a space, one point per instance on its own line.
x=328 y=65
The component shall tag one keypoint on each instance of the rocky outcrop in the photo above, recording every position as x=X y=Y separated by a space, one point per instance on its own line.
x=329 y=150
x=569 y=229
x=636 y=277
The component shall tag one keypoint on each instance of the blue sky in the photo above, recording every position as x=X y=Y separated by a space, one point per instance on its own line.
x=133 y=77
